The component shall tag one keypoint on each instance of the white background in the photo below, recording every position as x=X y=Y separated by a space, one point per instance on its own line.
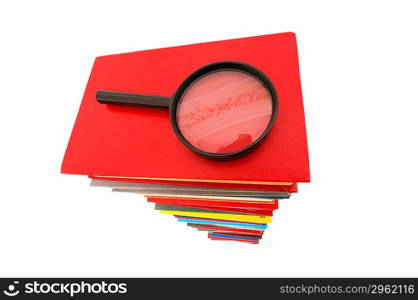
x=359 y=68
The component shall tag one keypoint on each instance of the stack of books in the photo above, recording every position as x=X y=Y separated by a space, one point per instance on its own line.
x=133 y=149
x=231 y=212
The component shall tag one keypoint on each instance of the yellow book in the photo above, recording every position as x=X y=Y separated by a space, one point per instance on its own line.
x=230 y=217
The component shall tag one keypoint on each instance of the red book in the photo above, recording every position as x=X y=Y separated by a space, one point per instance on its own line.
x=232 y=239
x=226 y=229
x=271 y=205
x=259 y=212
x=126 y=141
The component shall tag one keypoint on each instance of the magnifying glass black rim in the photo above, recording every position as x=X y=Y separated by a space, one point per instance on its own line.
x=216 y=67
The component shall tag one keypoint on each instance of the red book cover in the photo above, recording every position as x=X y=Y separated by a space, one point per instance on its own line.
x=271 y=205
x=226 y=229
x=260 y=212
x=231 y=239
x=126 y=141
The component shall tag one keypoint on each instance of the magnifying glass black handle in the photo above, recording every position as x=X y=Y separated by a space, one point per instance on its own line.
x=110 y=97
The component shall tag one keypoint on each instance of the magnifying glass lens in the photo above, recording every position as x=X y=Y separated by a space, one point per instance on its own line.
x=224 y=111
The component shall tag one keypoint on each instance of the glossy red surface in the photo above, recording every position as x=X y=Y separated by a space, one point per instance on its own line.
x=116 y=140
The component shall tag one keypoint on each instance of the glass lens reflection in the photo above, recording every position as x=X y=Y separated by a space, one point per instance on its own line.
x=224 y=111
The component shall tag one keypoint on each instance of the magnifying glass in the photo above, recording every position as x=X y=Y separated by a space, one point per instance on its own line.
x=221 y=111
